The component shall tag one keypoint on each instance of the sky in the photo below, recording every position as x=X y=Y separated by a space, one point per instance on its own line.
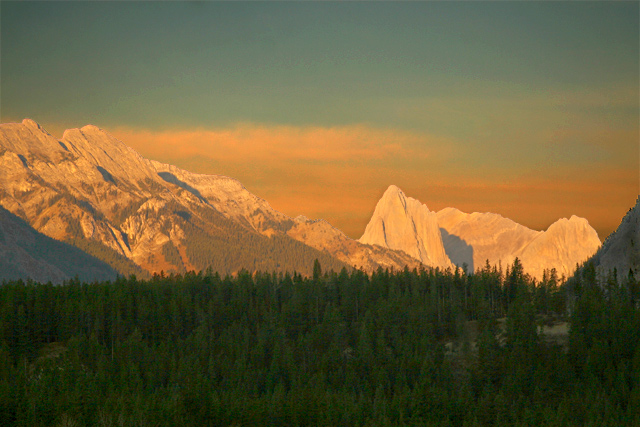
x=526 y=109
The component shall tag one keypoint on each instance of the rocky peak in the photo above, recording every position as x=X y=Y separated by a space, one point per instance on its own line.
x=90 y=187
x=32 y=124
x=110 y=155
x=474 y=238
x=400 y=222
x=30 y=140
x=393 y=195
x=574 y=227
x=403 y=223
x=565 y=243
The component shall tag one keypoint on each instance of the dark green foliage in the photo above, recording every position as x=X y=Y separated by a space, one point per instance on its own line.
x=335 y=349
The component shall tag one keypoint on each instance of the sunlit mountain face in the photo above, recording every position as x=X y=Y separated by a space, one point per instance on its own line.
x=451 y=237
x=142 y=216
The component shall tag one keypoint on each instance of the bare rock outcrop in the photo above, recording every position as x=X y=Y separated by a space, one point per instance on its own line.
x=477 y=237
x=452 y=237
x=564 y=245
x=403 y=223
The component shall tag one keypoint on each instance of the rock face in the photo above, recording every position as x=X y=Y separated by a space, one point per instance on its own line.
x=27 y=254
x=474 y=238
x=451 y=237
x=142 y=216
x=621 y=250
x=477 y=237
x=403 y=223
x=564 y=245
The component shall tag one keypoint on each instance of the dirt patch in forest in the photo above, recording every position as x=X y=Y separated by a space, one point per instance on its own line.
x=552 y=331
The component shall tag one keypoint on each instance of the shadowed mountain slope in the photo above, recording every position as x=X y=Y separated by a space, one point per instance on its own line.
x=26 y=253
x=621 y=249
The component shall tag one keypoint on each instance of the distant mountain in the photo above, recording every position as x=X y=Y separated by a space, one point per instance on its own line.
x=473 y=238
x=142 y=216
x=26 y=253
x=451 y=237
x=564 y=245
x=477 y=237
x=403 y=223
x=621 y=249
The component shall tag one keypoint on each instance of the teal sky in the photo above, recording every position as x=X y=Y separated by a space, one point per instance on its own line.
x=512 y=88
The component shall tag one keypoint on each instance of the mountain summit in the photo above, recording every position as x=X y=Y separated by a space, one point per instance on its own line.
x=140 y=216
x=403 y=223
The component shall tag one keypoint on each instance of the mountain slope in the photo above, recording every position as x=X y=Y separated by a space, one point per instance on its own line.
x=621 y=249
x=230 y=198
x=92 y=190
x=565 y=244
x=25 y=253
x=403 y=223
x=474 y=238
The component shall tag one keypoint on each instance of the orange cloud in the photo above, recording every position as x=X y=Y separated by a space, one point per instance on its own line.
x=267 y=143
x=339 y=173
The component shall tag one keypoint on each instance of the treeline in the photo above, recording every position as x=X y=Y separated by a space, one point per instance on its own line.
x=333 y=349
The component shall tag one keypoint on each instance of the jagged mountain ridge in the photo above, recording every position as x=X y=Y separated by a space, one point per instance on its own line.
x=471 y=239
x=489 y=236
x=28 y=254
x=90 y=189
x=621 y=249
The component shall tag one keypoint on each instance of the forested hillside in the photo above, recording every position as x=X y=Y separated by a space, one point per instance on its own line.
x=421 y=347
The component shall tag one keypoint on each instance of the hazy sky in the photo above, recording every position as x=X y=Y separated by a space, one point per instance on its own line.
x=527 y=109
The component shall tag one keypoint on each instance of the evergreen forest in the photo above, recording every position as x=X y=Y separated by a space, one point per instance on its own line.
x=405 y=348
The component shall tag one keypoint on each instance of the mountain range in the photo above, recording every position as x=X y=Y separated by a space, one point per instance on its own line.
x=451 y=237
x=141 y=216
